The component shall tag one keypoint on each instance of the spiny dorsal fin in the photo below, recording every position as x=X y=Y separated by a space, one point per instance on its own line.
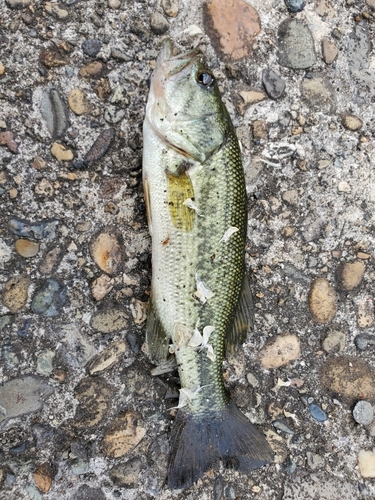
x=180 y=189
x=157 y=342
x=243 y=318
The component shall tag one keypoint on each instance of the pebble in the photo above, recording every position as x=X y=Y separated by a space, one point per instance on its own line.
x=91 y=47
x=54 y=112
x=259 y=128
x=280 y=351
x=362 y=341
x=349 y=377
x=51 y=259
x=78 y=102
x=322 y=301
x=159 y=25
x=170 y=7
x=351 y=122
x=324 y=9
x=351 y=275
x=2 y=71
x=56 y=11
x=86 y=492
x=363 y=255
x=247 y=97
x=94 y=69
x=343 y=187
x=273 y=84
x=363 y=413
x=232 y=28
x=126 y=475
x=61 y=152
x=113 y=114
x=295 y=5
x=55 y=56
x=100 y=147
x=365 y=313
x=43 y=476
x=76 y=348
x=282 y=426
x=22 y=395
x=119 y=54
x=7 y=139
x=109 y=320
x=5 y=321
x=44 y=363
x=319 y=94
x=94 y=396
x=366 y=463
x=39 y=163
x=15 y=293
x=296 y=45
x=139 y=311
x=124 y=435
x=49 y=299
x=290 y=196
x=334 y=341
x=317 y=413
x=101 y=287
x=108 y=358
x=18 y=4
x=38 y=230
x=114 y=4
x=329 y=50
x=106 y=251
x=314 y=461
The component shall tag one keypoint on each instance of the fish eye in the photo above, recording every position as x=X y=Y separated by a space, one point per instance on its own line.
x=205 y=79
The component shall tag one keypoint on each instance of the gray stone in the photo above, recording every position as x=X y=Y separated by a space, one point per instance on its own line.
x=76 y=348
x=49 y=299
x=126 y=475
x=296 y=45
x=109 y=320
x=358 y=54
x=119 y=54
x=314 y=461
x=22 y=395
x=159 y=25
x=113 y=114
x=86 y=492
x=91 y=47
x=295 y=5
x=273 y=84
x=363 y=413
x=44 y=363
x=319 y=94
x=38 y=230
x=5 y=320
x=18 y=4
x=55 y=113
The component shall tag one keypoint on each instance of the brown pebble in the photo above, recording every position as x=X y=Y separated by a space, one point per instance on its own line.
x=365 y=313
x=54 y=56
x=170 y=7
x=100 y=147
x=38 y=163
x=280 y=351
x=43 y=476
x=101 y=287
x=94 y=69
x=103 y=89
x=336 y=254
x=15 y=293
x=94 y=395
x=363 y=255
x=106 y=252
x=329 y=51
x=77 y=102
x=259 y=129
x=351 y=122
x=51 y=259
x=288 y=231
x=232 y=26
x=7 y=139
x=247 y=97
x=124 y=435
x=27 y=248
x=351 y=275
x=322 y=301
x=61 y=153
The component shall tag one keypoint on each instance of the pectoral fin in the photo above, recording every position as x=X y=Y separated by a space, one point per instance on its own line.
x=180 y=188
x=243 y=319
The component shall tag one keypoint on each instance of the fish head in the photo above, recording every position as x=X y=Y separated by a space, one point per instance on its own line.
x=184 y=105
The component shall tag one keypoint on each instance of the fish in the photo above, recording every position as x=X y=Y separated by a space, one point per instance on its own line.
x=200 y=305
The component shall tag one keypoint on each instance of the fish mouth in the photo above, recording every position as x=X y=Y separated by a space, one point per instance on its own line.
x=175 y=64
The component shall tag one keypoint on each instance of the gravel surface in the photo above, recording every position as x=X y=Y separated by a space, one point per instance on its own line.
x=81 y=415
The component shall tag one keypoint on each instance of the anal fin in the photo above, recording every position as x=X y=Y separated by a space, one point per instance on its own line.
x=157 y=342
x=243 y=319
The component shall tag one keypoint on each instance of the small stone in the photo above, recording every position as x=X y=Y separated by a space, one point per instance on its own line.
x=5 y=321
x=109 y=320
x=51 y=259
x=124 y=435
x=94 y=395
x=288 y=231
x=119 y=54
x=54 y=56
x=113 y=114
x=322 y=301
x=44 y=363
x=351 y=122
x=159 y=25
x=55 y=113
x=280 y=351
x=93 y=69
x=343 y=187
x=18 y=4
x=259 y=129
x=170 y=7
x=44 y=188
x=38 y=230
x=351 y=275
x=108 y=358
x=366 y=464
x=363 y=413
x=77 y=102
x=139 y=311
x=61 y=153
x=2 y=71
x=232 y=26
x=273 y=84
x=15 y=293
x=282 y=426
x=7 y=139
x=114 y=4
x=295 y=5
x=324 y=9
x=27 y=248
x=101 y=287
x=329 y=51
x=13 y=193
x=314 y=461
x=365 y=313
x=76 y=348
x=106 y=251
x=39 y=163
x=126 y=475
x=100 y=147
x=371 y=4
x=22 y=395
x=334 y=341
x=86 y=492
x=319 y=94
x=55 y=10
x=43 y=476
x=247 y=97
x=322 y=164
x=317 y=413
x=253 y=381
x=363 y=255
x=91 y=47
x=290 y=196
x=49 y=299
x=296 y=44
x=350 y=378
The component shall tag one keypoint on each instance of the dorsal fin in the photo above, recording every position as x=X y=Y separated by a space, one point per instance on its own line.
x=243 y=319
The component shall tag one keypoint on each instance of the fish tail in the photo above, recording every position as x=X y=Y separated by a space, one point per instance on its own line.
x=200 y=442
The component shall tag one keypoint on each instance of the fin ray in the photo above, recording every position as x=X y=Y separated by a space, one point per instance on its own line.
x=157 y=342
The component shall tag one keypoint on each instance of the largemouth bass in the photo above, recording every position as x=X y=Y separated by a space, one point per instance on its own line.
x=200 y=305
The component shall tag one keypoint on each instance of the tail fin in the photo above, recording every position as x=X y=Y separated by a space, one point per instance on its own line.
x=199 y=442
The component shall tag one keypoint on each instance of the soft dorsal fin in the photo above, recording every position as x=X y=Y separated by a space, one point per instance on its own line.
x=243 y=319
x=157 y=342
